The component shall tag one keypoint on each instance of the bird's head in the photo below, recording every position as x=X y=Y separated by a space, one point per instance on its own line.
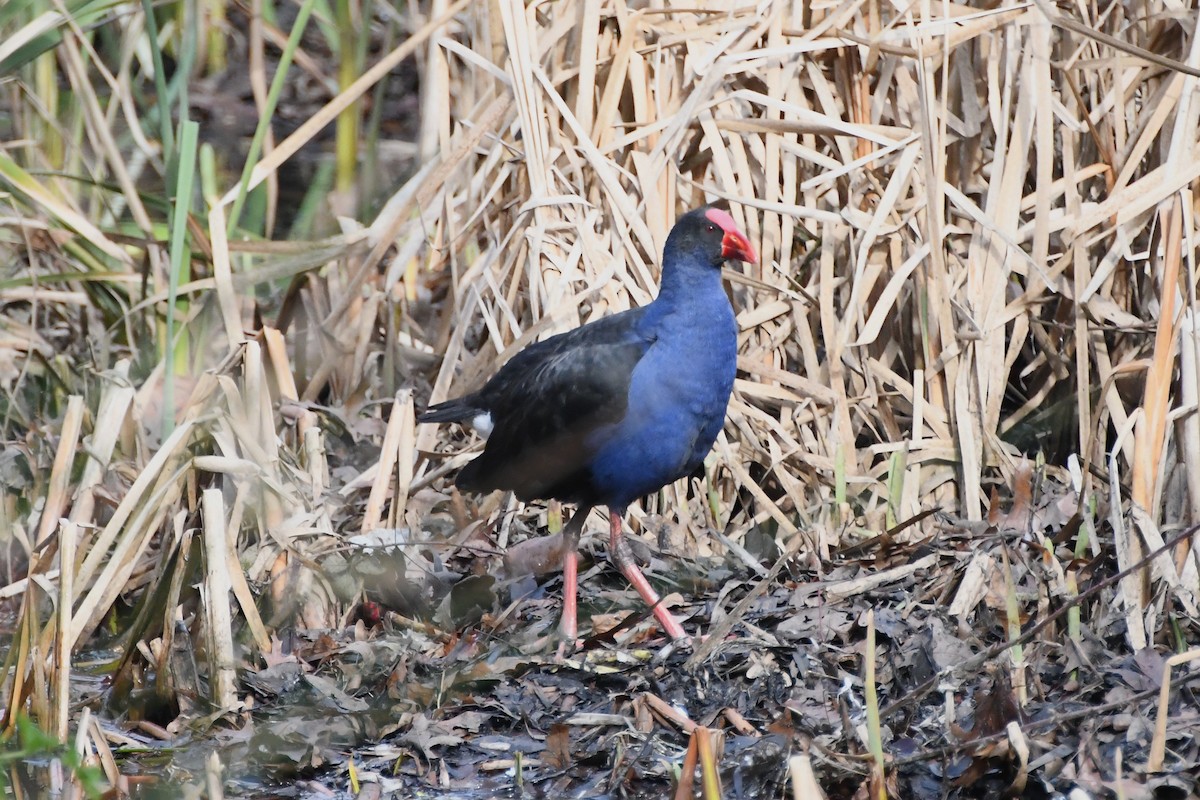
x=709 y=233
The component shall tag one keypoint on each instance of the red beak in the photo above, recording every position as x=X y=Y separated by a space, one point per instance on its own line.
x=735 y=245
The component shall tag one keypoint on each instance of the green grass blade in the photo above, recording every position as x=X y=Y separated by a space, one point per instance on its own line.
x=165 y=132
x=175 y=352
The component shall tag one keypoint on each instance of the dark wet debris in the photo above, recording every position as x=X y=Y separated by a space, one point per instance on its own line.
x=447 y=684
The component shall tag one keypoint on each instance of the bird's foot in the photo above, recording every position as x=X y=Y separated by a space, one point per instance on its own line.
x=567 y=646
x=664 y=653
x=567 y=650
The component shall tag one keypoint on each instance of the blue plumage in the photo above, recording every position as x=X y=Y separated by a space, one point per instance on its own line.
x=678 y=391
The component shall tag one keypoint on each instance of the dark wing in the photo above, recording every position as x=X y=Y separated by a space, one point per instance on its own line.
x=549 y=405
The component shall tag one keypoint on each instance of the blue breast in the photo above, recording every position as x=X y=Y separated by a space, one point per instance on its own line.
x=678 y=397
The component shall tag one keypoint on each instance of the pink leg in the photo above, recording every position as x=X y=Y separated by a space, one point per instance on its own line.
x=619 y=552
x=569 y=624
x=570 y=594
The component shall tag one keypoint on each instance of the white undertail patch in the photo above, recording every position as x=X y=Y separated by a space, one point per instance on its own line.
x=482 y=423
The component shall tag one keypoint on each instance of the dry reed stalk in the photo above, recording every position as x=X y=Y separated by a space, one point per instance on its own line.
x=128 y=533
x=68 y=535
x=231 y=315
x=803 y=779
x=99 y=128
x=397 y=445
x=60 y=472
x=111 y=413
x=92 y=747
x=314 y=124
x=1158 y=745
x=218 y=615
x=684 y=790
x=233 y=469
x=213 y=782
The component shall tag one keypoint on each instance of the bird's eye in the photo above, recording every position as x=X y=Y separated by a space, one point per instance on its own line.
x=712 y=228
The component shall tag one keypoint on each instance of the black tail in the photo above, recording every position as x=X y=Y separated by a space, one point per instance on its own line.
x=460 y=409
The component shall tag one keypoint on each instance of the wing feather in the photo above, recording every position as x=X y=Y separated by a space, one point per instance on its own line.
x=550 y=405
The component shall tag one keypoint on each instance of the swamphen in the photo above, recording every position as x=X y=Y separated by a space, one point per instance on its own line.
x=618 y=408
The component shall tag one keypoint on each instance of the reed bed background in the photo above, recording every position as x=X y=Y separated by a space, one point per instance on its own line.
x=978 y=265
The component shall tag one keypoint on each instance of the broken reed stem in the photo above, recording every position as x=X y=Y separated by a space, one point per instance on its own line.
x=687 y=773
x=1151 y=425
x=705 y=750
x=60 y=473
x=406 y=454
x=68 y=535
x=669 y=713
x=1127 y=549
x=223 y=689
x=212 y=777
x=104 y=753
x=121 y=541
x=1020 y=748
x=227 y=297
x=315 y=462
x=874 y=736
x=1074 y=621
x=1012 y=610
x=399 y=431
x=83 y=734
x=1158 y=747
x=113 y=409
x=803 y=779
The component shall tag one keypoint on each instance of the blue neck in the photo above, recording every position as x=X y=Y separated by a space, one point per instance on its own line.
x=691 y=293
